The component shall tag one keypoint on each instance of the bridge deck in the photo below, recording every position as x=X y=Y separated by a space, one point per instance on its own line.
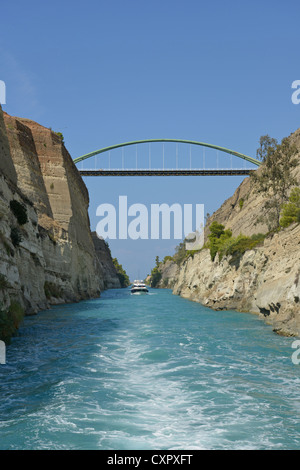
x=168 y=172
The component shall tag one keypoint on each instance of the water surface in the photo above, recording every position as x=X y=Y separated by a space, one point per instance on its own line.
x=148 y=372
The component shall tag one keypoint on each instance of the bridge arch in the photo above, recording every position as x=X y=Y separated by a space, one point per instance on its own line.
x=191 y=142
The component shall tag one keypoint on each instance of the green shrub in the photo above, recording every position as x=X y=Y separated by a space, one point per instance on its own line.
x=240 y=244
x=223 y=243
x=241 y=203
x=155 y=277
x=191 y=253
x=218 y=238
x=168 y=258
x=259 y=237
x=216 y=230
x=290 y=214
x=60 y=135
x=19 y=211
x=181 y=253
x=121 y=273
x=291 y=211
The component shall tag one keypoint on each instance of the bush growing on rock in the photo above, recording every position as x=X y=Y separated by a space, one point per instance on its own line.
x=241 y=244
x=223 y=243
x=155 y=276
x=218 y=239
x=291 y=211
x=121 y=273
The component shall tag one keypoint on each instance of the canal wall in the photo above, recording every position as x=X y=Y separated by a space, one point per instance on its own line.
x=47 y=254
x=264 y=280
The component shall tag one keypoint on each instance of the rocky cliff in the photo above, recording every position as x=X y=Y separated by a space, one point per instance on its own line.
x=264 y=280
x=108 y=271
x=47 y=253
x=240 y=212
x=169 y=273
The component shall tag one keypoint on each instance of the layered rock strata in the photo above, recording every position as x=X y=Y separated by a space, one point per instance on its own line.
x=109 y=273
x=50 y=257
x=169 y=272
x=265 y=280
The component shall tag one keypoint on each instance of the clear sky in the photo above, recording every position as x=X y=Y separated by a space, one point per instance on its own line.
x=105 y=72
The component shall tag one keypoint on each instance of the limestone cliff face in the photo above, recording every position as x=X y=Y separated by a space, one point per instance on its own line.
x=169 y=272
x=239 y=213
x=241 y=219
x=265 y=280
x=21 y=257
x=108 y=271
x=51 y=257
x=47 y=175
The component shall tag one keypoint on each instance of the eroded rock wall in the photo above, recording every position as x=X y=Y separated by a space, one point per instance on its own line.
x=51 y=257
x=169 y=272
x=265 y=280
x=108 y=271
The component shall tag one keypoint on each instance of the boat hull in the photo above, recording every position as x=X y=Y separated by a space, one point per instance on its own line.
x=139 y=291
x=139 y=287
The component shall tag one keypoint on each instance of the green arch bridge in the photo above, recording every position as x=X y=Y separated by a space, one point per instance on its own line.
x=167 y=171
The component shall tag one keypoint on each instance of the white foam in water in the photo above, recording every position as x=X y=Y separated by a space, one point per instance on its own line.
x=148 y=373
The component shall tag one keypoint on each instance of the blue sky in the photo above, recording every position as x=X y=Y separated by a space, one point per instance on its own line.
x=109 y=72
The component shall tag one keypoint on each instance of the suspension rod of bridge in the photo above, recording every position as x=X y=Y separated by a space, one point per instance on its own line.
x=192 y=142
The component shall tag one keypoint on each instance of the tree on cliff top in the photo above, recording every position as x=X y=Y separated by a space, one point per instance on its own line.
x=267 y=145
x=274 y=178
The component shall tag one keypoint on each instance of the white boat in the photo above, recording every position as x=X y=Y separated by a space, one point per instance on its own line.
x=139 y=287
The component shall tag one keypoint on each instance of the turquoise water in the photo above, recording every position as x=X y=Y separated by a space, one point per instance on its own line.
x=148 y=372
